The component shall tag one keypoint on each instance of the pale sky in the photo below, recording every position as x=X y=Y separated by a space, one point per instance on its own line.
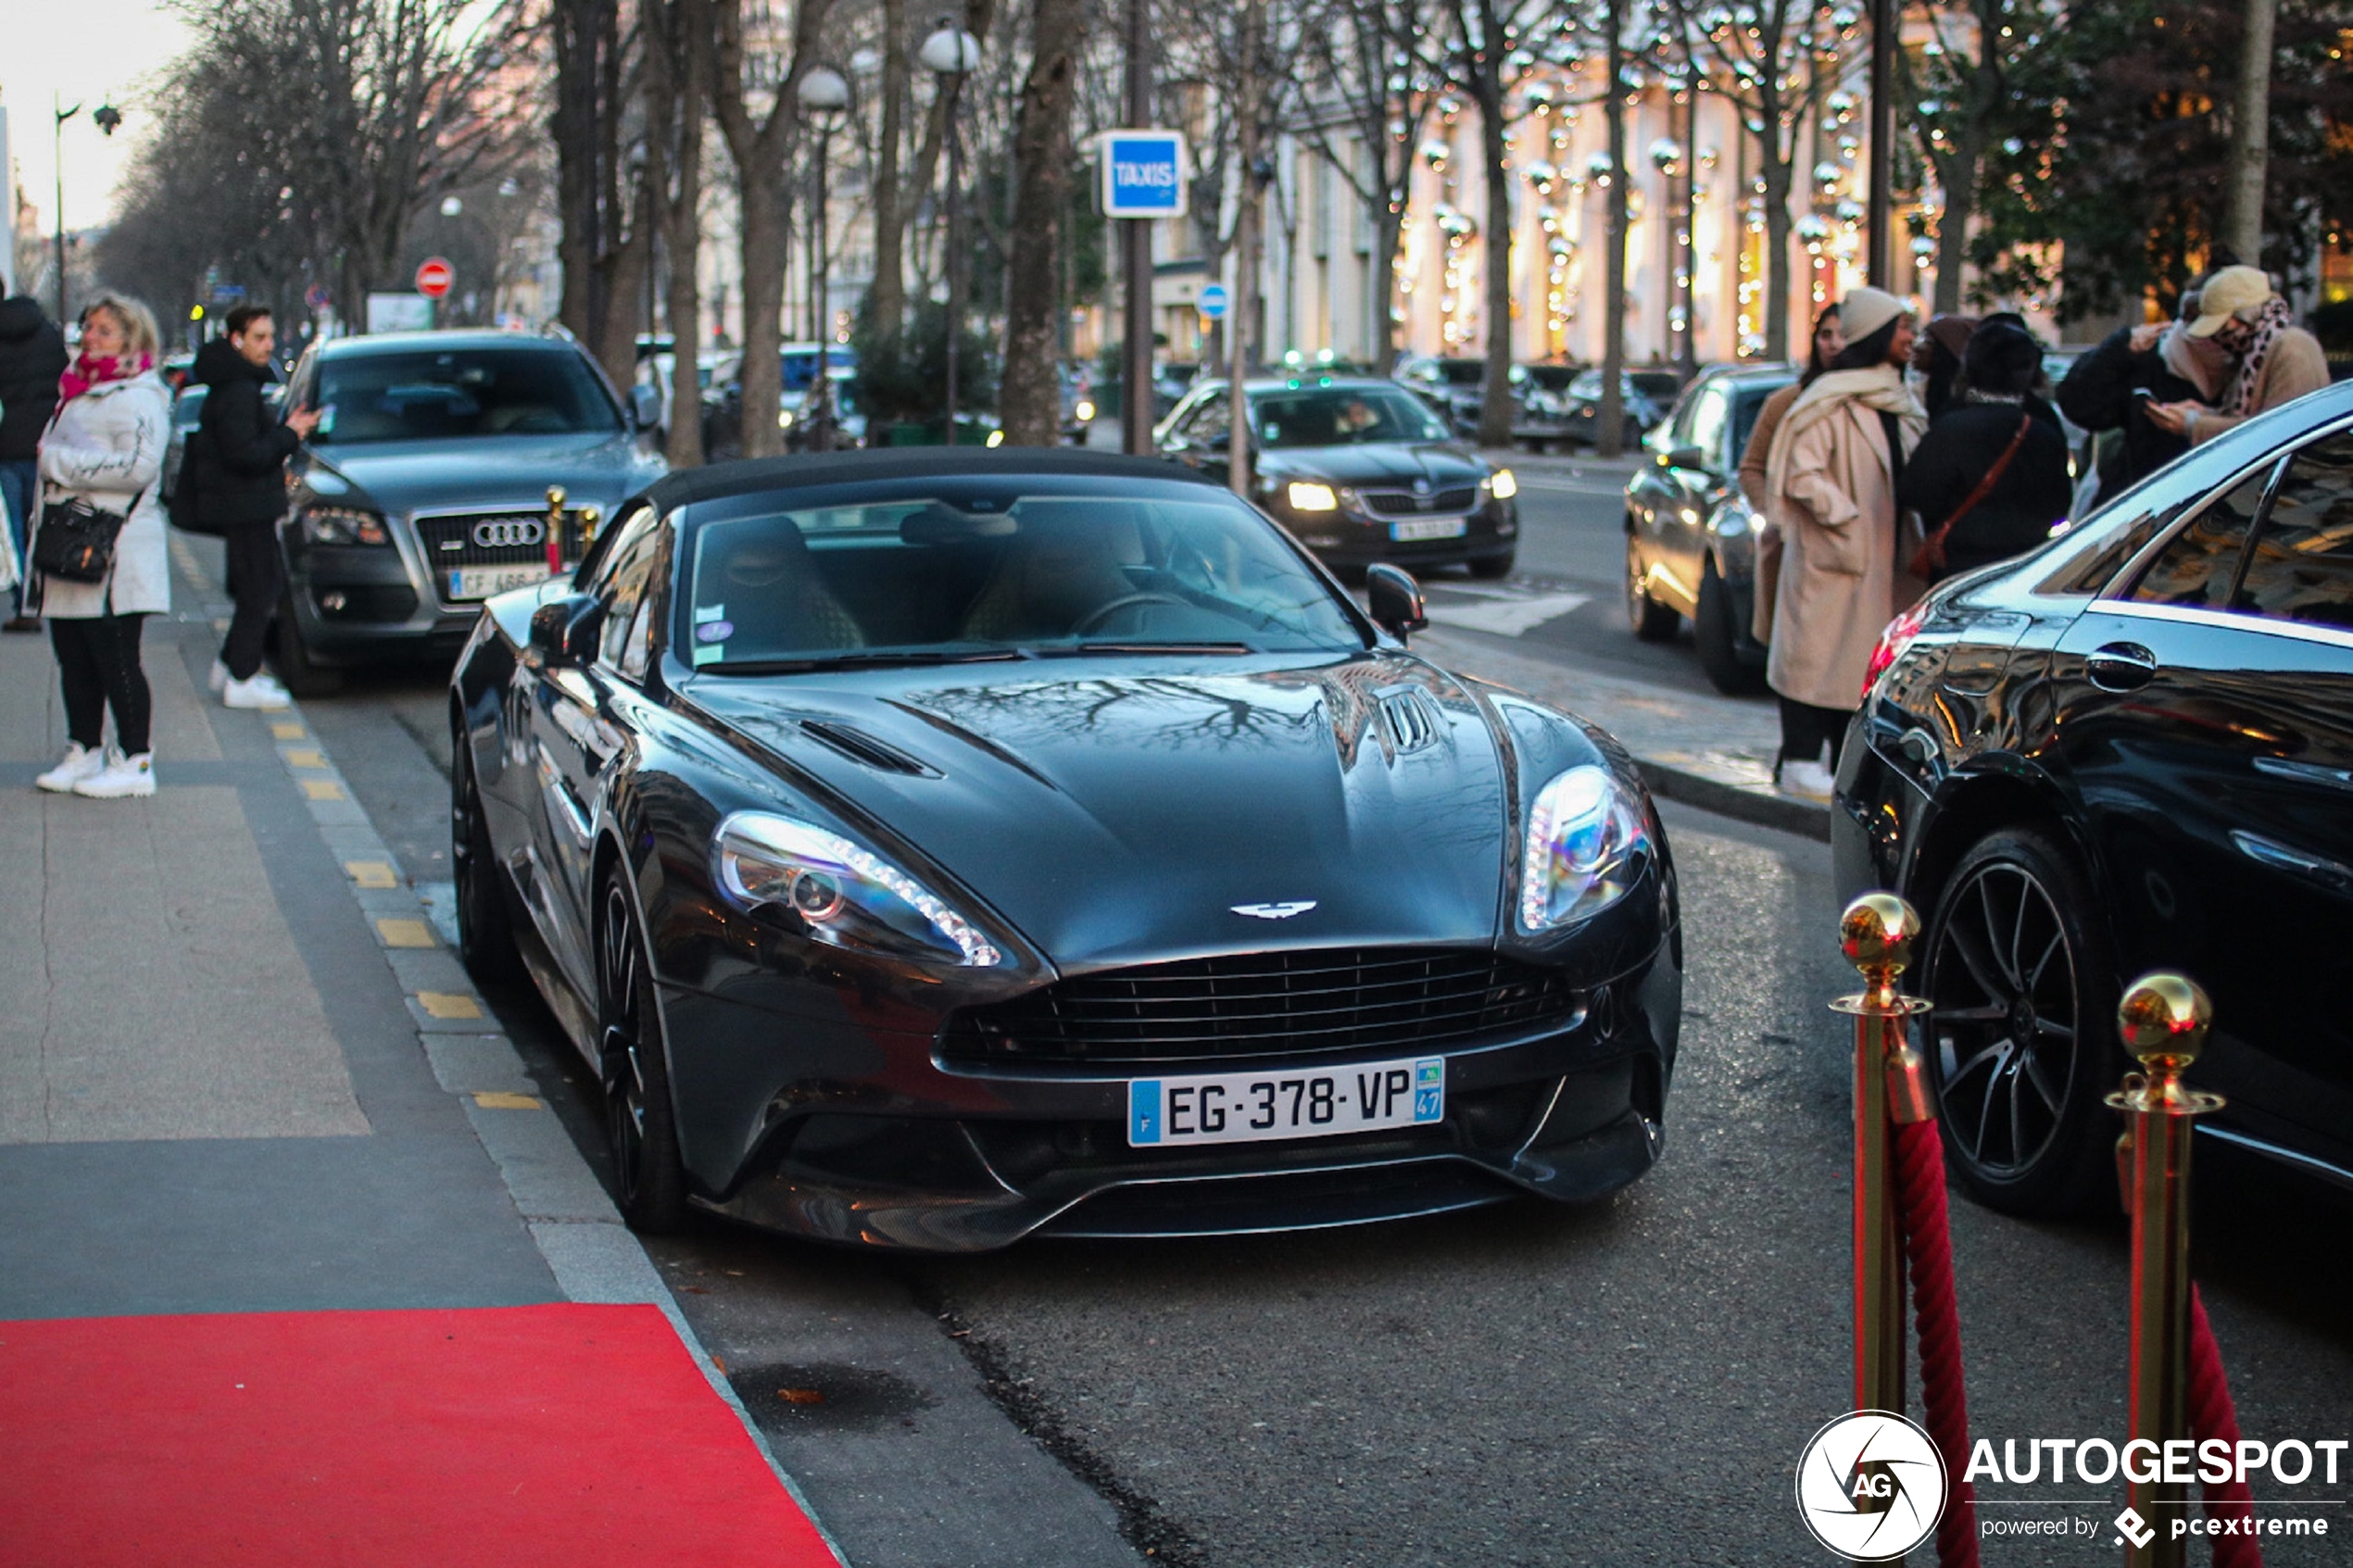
x=93 y=51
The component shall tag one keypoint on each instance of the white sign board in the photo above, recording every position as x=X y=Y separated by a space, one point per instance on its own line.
x=399 y=313
x=1141 y=173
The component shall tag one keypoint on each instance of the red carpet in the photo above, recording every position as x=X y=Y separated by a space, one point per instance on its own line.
x=507 y=1437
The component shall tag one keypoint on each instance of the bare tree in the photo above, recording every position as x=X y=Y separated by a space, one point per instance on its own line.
x=887 y=297
x=677 y=97
x=1489 y=54
x=761 y=146
x=1029 y=395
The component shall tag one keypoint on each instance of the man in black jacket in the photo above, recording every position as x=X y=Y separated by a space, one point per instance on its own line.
x=32 y=356
x=2097 y=395
x=237 y=459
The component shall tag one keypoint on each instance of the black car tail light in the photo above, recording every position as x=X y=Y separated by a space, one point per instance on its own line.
x=1892 y=644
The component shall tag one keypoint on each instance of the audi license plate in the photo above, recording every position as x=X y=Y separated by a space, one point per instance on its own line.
x=484 y=582
x=1430 y=528
x=1251 y=1107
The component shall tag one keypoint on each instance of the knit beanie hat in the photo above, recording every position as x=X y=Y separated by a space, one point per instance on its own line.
x=1866 y=311
x=2001 y=359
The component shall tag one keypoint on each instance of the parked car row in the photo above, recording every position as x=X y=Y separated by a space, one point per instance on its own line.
x=1553 y=405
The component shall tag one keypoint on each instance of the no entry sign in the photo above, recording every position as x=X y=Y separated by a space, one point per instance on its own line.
x=435 y=277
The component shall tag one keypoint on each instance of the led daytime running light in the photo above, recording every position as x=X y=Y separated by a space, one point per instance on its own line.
x=1587 y=839
x=807 y=848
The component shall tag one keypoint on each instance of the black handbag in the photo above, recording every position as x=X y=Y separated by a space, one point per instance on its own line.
x=76 y=541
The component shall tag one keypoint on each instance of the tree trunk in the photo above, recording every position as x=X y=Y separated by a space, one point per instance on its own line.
x=764 y=210
x=1246 y=215
x=887 y=295
x=1609 y=438
x=681 y=83
x=2251 y=133
x=574 y=129
x=1029 y=395
x=1389 y=228
x=623 y=274
x=1495 y=386
x=1776 y=175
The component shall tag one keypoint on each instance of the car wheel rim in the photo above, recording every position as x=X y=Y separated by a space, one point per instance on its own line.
x=622 y=1047
x=461 y=853
x=2003 y=977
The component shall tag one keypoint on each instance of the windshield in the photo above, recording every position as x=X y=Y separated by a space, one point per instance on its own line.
x=1000 y=572
x=1340 y=416
x=427 y=395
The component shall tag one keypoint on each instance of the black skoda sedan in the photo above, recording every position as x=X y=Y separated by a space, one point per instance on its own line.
x=925 y=849
x=2131 y=750
x=1359 y=469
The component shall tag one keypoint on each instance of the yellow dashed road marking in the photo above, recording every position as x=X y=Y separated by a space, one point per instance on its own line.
x=446 y=1004
x=372 y=873
x=306 y=757
x=499 y=1100
x=286 y=731
x=405 y=934
x=322 y=789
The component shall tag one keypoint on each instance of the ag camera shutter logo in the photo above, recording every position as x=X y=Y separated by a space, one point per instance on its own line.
x=1871 y=1485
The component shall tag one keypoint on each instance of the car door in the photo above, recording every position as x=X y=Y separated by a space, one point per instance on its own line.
x=574 y=739
x=2202 y=709
x=1698 y=436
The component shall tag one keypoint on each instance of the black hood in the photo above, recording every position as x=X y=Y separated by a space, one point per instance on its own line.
x=20 y=317
x=218 y=363
x=1116 y=812
x=596 y=468
x=1377 y=463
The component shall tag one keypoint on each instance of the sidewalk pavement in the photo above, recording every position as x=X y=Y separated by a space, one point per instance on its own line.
x=294 y=1266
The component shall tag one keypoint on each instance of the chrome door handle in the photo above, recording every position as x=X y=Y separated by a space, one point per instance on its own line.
x=2120 y=667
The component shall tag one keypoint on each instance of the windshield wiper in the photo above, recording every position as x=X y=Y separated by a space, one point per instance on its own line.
x=1082 y=648
x=876 y=658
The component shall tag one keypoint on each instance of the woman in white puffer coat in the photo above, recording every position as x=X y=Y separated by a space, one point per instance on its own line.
x=106 y=444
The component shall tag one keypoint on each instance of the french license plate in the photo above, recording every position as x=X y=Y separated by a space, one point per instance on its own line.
x=1428 y=528
x=1253 y=1106
x=484 y=581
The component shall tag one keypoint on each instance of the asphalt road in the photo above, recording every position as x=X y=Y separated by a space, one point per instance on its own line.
x=1628 y=1382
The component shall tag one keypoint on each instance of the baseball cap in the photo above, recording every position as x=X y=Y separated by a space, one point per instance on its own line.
x=2226 y=294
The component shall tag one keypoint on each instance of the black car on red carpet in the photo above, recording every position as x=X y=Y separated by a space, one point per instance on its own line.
x=928 y=848
x=2131 y=750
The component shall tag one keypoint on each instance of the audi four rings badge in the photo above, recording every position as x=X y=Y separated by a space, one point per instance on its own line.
x=499 y=532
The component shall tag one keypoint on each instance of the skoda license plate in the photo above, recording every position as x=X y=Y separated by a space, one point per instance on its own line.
x=484 y=581
x=1428 y=528
x=1251 y=1107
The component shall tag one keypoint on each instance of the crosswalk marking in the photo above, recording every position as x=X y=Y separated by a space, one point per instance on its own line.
x=1510 y=617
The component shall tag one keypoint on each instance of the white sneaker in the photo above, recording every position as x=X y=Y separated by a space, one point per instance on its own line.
x=81 y=762
x=260 y=690
x=1807 y=779
x=218 y=677
x=122 y=777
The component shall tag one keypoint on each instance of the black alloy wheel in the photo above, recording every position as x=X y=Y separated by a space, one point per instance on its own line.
x=485 y=925
x=298 y=672
x=1652 y=622
x=640 y=1125
x=1717 y=638
x=2020 y=1045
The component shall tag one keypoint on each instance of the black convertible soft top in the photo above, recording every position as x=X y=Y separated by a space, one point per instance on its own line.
x=754 y=475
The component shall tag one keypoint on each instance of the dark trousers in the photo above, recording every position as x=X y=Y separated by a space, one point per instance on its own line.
x=257 y=578
x=1807 y=729
x=99 y=668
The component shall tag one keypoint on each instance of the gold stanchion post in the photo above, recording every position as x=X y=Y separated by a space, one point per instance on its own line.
x=1876 y=933
x=2163 y=1019
x=555 y=529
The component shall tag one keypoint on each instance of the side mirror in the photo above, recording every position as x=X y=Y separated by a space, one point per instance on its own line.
x=563 y=631
x=644 y=405
x=1395 y=600
x=1692 y=457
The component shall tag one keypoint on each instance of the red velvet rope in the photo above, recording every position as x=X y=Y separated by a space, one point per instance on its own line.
x=1928 y=1249
x=2211 y=1415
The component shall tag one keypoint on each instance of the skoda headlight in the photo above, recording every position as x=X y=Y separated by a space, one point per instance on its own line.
x=1588 y=841
x=1308 y=496
x=847 y=896
x=343 y=525
x=1501 y=485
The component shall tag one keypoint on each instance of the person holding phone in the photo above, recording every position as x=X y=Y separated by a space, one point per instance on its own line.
x=2134 y=370
x=237 y=462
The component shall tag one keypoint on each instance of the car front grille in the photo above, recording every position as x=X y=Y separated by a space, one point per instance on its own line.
x=508 y=538
x=1265 y=1004
x=1404 y=503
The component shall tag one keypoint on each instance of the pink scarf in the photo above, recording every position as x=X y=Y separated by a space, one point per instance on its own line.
x=91 y=371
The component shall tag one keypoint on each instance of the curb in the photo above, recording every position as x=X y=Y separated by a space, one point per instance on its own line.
x=1778 y=811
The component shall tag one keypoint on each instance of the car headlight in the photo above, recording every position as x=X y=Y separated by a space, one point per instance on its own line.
x=848 y=896
x=1587 y=843
x=343 y=525
x=1501 y=485
x=1308 y=496
x=1084 y=409
x=784 y=418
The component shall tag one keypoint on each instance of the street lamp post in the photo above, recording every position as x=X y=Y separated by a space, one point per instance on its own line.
x=106 y=118
x=825 y=97
x=951 y=54
x=1136 y=252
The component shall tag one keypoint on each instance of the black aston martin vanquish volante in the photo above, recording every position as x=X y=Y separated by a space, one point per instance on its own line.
x=929 y=849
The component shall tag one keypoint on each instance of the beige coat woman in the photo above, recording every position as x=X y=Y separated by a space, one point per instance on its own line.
x=1832 y=492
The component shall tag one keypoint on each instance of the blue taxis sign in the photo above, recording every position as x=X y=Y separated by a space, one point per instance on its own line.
x=1142 y=173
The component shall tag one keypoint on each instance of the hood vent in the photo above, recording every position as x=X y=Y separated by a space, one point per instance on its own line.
x=1408 y=718
x=859 y=746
